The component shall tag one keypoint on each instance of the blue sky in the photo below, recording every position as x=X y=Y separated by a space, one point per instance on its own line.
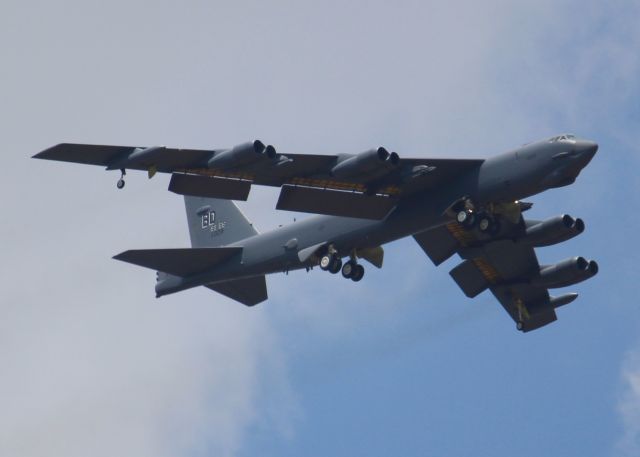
x=401 y=363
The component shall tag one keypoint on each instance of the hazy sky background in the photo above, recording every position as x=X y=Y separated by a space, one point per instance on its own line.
x=402 y=363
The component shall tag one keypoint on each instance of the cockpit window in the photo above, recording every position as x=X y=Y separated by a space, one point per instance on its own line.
x=567 y=138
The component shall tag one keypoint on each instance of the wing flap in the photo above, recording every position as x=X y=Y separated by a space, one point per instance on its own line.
x=179 y=262
x=470 y=278
x=335 y=203
x=438 y=243
x=509 y=259
x=210 y=187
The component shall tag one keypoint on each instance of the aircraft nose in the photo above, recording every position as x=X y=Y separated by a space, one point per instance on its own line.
x=587 y=148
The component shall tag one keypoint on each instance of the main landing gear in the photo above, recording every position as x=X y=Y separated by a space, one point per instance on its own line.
x=486 y=222
x=333 y=264
x=120 y=183
x=352 y=270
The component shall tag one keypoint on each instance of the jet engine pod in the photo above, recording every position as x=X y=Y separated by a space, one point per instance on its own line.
x=552 y=231
x=241 y=155
x=565 y=273
x=366 y=165
x=138 y=157
x=142 y=155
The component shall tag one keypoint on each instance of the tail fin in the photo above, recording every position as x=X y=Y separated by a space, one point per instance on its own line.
x=213 y=225
x=214 y=222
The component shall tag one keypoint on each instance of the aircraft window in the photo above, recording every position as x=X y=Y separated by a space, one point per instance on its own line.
x=569 y=138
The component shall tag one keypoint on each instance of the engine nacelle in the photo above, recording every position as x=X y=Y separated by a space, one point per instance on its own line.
x=367 y=165
x=139 y=157
x=565 y=273
x=552 y=231
x=142 y=155
x=241 y=155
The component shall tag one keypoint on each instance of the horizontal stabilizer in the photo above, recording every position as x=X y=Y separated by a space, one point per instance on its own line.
x=335 y=202
x=210 y=187
x=179 y=262
x=250 y=291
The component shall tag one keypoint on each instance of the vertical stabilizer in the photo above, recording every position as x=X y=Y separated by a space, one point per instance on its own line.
x=214 y=222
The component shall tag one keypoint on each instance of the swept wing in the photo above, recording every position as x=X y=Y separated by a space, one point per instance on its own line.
x=366 y=185
x=507 y=265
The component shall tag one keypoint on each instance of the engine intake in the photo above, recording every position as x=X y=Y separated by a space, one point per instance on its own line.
x=552 y=231
x=565 y=273
x=367 y=165
x=242 y=155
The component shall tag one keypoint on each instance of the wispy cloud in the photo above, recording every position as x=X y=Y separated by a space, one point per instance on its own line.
x=629 y=405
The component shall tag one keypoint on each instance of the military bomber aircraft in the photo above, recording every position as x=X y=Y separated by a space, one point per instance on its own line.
x=471 y=207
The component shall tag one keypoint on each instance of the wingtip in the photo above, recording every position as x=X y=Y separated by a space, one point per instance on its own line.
x=121 y=256
x=46 y=153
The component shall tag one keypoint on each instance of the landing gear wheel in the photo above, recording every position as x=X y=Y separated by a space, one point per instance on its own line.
x=520 y=326
x=120 y=183
x=348 y=269
x=485 y=223
x=335 y=266
x=466 y=218
x=326 y=261
x=358 y=273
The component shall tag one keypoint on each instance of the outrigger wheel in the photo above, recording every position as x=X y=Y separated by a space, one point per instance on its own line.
x=520 y=325
x=120 y=183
